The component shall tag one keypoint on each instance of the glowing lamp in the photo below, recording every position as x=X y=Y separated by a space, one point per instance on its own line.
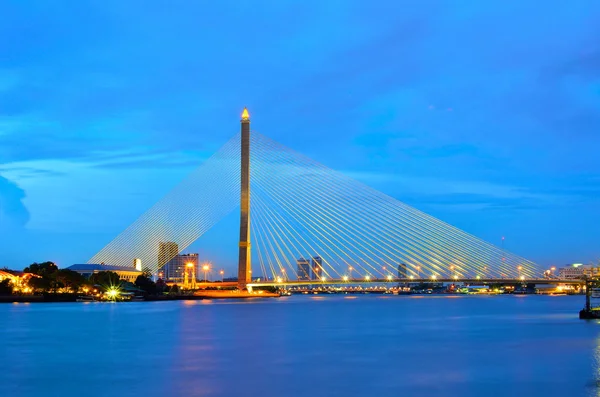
x=245 y=114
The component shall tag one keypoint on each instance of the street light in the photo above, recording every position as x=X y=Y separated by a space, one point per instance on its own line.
x=389 y=277
x=222 y=273
x=192 y=269
x=112 y=293
x=350 y=271
x=323 y=279
x=367 y=277
x=419 y=271
x=345 y=278
x=206 y=268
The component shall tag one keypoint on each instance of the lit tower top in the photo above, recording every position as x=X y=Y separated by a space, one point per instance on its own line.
x=245 y=115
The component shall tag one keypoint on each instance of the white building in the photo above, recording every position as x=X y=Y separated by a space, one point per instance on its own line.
x=578 y=271
x=175 y=269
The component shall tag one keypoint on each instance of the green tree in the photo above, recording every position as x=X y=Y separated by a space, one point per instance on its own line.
x=42 y=269
x=6 y=287
x=106 y=279
x=39 y=284
x=69 y=279
x=146 y=284
x=173 y=290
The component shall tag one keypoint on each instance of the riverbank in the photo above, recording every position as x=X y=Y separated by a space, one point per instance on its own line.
x=199 y=295
x=46 y=298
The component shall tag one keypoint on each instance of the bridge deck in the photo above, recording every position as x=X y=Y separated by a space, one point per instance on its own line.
x=288 y=283
x=294 y=283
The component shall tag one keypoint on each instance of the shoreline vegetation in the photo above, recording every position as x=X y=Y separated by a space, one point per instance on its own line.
x=46 y=283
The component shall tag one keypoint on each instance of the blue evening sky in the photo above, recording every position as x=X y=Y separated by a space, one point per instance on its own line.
x=485 y=114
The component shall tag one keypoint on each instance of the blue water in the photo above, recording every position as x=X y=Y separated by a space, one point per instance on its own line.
x=302 y=346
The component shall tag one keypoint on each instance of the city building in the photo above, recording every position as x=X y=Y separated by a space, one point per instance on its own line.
x=402 y=273
x=87 y=269
x=578 y=271
x=591 y=271
x=317 y=268
x=175 y=269
x=166 y=251
x=137 y=264
x=571 y=271
x=303 y=272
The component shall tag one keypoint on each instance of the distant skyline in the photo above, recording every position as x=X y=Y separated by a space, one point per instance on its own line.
x=485 y=115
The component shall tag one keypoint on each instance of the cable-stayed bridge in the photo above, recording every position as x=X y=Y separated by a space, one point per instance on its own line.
x=301 y=220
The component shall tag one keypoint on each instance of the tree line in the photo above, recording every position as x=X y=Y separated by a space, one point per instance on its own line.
x=46 y=278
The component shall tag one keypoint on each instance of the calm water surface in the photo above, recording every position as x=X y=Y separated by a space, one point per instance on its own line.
x=302 y=346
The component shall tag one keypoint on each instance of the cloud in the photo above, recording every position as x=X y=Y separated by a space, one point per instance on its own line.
x=13 y=213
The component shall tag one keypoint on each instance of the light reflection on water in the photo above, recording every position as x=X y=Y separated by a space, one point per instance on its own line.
x=316 y=345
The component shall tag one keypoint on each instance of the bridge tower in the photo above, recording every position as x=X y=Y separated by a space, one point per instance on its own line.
x=244 y=264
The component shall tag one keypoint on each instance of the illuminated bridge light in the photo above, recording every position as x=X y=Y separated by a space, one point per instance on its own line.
x=245 y=114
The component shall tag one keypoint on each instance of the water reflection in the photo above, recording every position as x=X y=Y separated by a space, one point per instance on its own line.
x=302 y=346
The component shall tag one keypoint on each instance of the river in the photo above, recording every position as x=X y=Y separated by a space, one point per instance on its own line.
x=337 y=345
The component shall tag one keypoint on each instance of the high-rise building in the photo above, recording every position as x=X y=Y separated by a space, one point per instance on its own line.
x=402 y=271
x=176 y=268
x=166 y=251
x=317 y=267
x=303 y=272
x=137 y=264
